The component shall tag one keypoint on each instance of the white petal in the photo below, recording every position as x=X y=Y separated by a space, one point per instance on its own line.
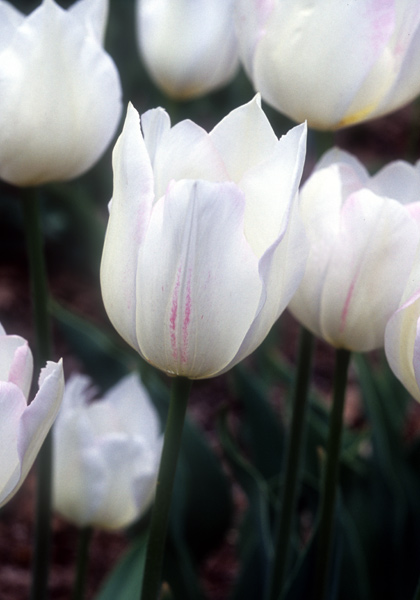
x=79 y=468
x=39 y=416
x=94 y=14
x=16 y=363
x=12 y=406
x=313 y=57
x=402 y=345
x=269 y=189
x=244 y=138
x=10 y=19
x=128 y=221
x=367 y=272
x=398 y=180
x=133 y=408
x=185 y=151
x=197 y=278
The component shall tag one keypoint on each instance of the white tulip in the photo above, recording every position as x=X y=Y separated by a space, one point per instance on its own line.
x=204 y=246
x=60 y=93
x=106 y=453
x=363 y=234
x=23 y=428
x=331 y=62
x=188 y=46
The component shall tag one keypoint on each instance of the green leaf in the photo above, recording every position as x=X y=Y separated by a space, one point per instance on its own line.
x=125 y=581
x=262 y=430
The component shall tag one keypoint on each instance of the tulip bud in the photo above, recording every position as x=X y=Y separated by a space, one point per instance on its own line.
x=23 y=428
x=204 y=246
x=363 y=234
x=188 y=46
x=60 y=93
x=106 y=453
x=331 y=63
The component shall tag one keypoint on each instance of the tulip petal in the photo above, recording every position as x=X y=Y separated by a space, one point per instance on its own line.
x=112 y=512
x=79 y=476
x=94 y=14
x=129 y=217
x=185 y=303
x=288 y=61
x=10 y=19
x=16 y=363
x=352 y=175
x=375 y=248
x=250 y=20
x=51 y=71
x=12 y=406
x=281 y=269
x=128 y=404
x=398 y=180
x=398 y=64
x=321 y=200
x=402 y=339
x=270 y=187
x=39 y=416
x=244 y=138
x=181 y=152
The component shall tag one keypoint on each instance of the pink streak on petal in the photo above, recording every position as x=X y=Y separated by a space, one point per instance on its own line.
x=173 y=317
x=381 y=14
x=346 y=307
x=187 y=318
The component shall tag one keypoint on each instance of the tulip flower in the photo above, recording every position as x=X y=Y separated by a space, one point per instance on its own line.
x=363 y=234
x=106 y=453
x=60 y=93
x=332 y=63
x=188 y=46
x=402 y=335
x=23 y=428
x=204 y=246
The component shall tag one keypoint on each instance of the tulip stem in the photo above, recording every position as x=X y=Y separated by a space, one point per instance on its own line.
x=85 y=537
x=39 y=289
x=160 y=514
x=330 y=474
x=291 y=466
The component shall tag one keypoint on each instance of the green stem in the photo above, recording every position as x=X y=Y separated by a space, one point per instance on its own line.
x=160 y=514
x=292 y=463
x=85 y=537
x=330 y=478
x=39 y=288
x=38 y=275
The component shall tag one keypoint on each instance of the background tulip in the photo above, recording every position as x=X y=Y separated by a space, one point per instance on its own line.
x=23 y=428
x=106 y=453
x=60 y=94
x=332 y=63
x=204 y=246
x=363 y=235
x=188 y=46
x=402 y=335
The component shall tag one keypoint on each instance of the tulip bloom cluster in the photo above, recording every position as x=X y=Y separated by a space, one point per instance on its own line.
x=363 y=233
x=331 y=63
x=204 y=247
x=60 y=93
x=23 y=428
x=106 y=453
